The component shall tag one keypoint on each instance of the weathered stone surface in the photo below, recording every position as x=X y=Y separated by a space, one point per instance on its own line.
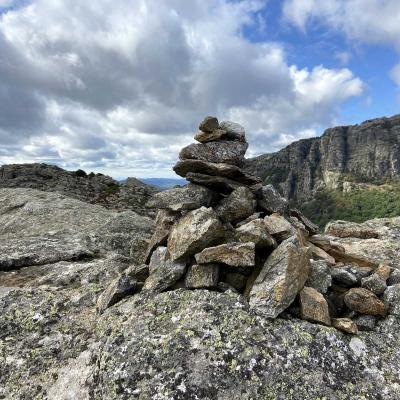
x=271 y=201
x=344 y=229
x=383 y=271
x=343 y=277
x=232 y=172
x=138 y=272
x=364 y=302
x=118 y=289
x=279 y=227
x=345 y=325
x=193 y=332
x=359 y=272
x=310 y=226
x=226 y=152
x=394 y=278
x=188 y=197
x=320 y=277
x=204 y=137
x=366 y=322
x=194 y=232
x=237 y=206
x=233 y=130
x=256 y=232
x=281 y=278
x=202 y=276
x=164 y=272
x=209 y=124
x=313 y=306
x=164 y=221
x=218 y=184
x=252 y=217
x=326 y=242
x=391 y=297
x=374 y=283
x=38 y=228
x=233 y=254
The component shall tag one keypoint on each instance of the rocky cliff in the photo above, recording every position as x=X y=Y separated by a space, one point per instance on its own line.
x=91 y=188
x=229 y=294
x=341 y=159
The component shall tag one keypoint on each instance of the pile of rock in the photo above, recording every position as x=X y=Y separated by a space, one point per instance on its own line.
x=226 y=231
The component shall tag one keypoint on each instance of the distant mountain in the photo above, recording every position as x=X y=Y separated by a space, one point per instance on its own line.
x=350 y=172
x=164 y=183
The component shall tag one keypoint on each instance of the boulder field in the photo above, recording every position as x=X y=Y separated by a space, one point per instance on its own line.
x=227 y=293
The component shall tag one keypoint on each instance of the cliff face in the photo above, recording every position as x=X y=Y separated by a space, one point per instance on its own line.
x=342 y=157
x=90 y=188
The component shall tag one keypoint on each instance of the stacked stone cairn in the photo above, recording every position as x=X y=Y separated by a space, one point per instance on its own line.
x=226 y=231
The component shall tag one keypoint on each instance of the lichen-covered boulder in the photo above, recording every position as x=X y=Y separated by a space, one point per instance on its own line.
x=281 y=278
x=202 y=276
x=228 y=152
x=255 y=231
x=320 y=277
x=237 y=206
x=272 y=202
x=344 y=229
x=233 y=254
x=279 y=227
x=188 y=197
x=163 y=272
x=234 y=131
x=195 y=231
x=209 y=124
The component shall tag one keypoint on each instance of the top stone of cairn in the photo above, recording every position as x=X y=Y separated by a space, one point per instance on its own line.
x=212 y=130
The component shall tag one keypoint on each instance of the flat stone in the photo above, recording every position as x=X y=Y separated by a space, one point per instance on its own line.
x=343 y=277
x=313 y=306
x=281 y=278
x=233 y=254
x=164 y=221
x=279 y=227
x=189 y=197
x=394 y=278
x=215 y=183
x=209 y=124
x=226 y=152
x=195 y=231
x=345 y=325
x=256 y=232
x=320 y=277
x=344 y=229
x=326 y=242
x=202 y=276
x=237 y=206
x=364 y=302
x=233 y=172
x=374 y=283
x=310 y=226
x=234 y=130
x=118 y=289
x=366 y=322
x=391 y=297
x=204 y=137
x=164 y=272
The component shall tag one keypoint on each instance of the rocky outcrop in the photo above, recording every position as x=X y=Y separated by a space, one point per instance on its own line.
x=368 y=152
x=91 y=188
x=109 y=327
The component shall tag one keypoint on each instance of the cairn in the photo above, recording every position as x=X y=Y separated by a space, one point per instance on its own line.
x=225 y=230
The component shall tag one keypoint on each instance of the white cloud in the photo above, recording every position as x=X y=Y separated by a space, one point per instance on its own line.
x=368 y=21
x=120 y=87
x=395 y=74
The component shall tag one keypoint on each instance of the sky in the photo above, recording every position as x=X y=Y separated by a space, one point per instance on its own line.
x=119 y=87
